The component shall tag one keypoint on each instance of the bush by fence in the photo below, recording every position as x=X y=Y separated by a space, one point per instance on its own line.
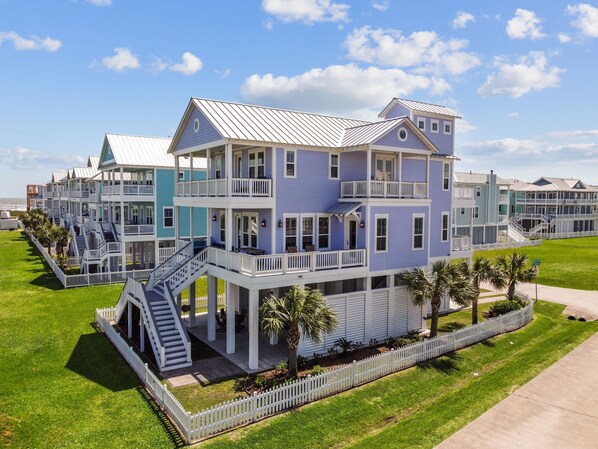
x=240 y=411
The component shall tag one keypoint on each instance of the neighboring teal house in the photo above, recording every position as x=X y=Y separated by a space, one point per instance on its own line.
x=135 y=224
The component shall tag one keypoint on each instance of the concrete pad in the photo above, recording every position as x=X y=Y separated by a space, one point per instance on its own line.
x=556 y=409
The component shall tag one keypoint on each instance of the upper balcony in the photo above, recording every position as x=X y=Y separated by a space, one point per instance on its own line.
x=211 y=192
x=463 y=196
x=135 y=230
x=77 y=194
x=384 y=189
x=138 y=192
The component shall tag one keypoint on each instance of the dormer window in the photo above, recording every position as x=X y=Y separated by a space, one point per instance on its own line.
x=196 y=125
x=448 y=127
x=421 y=123
x=434 y=126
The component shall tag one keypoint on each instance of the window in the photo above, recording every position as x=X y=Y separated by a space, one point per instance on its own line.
x=196 y=125
x=290 y=232
x=512 y=208
x=381 y=233
x=434 y=126
x=334 y=166
x=169 y=217
x=290 y=164
x=478 y=191
x=323 y=232
x=446 y=176
x=476 y=212
x=307 y=232
x=149 y=212
x=448 y=127
x=222 y=227
x=444 y=223
x=462 y=211
x=257 y=164
x=402 y=134
x=421 y=123
x=181 y=175
x=249 y=230
x=218 y=167
x=418 y=232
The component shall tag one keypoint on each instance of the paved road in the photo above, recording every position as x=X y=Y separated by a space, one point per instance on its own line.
x=556 y=409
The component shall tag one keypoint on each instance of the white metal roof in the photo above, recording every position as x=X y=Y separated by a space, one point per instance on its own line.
x=554 y=184
x=59 y=175
x=368 y=133
x=93 y=161
x=476 y=178
x=280 y=126
x=140 y=151
x=83 y=172
x=420 y=106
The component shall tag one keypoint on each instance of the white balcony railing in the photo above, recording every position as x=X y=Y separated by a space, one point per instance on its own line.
x=242 y=187
x=276 y=264
x=80 y=194
x=463 y=193
x=384 y=189
x=135 y=229
x=461 y=243
x=129 y=189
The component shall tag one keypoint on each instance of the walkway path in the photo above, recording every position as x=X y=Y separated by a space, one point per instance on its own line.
x=556 y=409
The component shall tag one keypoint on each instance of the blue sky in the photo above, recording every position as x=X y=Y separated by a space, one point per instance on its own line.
x=522 y=74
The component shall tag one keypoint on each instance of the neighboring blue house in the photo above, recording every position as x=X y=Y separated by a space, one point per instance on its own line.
x=337 y=204
x=133 y=225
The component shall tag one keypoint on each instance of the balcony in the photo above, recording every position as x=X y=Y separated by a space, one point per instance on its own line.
x=288 y=263
x=503 y=198
x=128 y=190
x=134 y=229
x=80 y=194
x=384 y=189
x=463 y=193
x=240 y=187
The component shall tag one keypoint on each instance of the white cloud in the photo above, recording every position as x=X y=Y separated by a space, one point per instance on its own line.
x=121 y=61
x=332 y=90
x=380 y=5
x=158 y=65
x=21 y=158
x=531 y=72
x=190 y=65
x=563 y=38
x=574 y=134
x=33 y=43
x=585 y=18
x=464 y=127
x=425 y=51
x=525 y=24
x=268 y=24
x=307 y=11
x=462 y=19
x=514 y=115
x=100 y=2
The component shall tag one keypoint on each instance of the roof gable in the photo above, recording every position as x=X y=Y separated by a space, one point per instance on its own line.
x=415 y=138
x=419 y=106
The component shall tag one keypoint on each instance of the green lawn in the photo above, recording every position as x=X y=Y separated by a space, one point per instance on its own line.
x=460 y=319
x=61 y=383
x=570 y=263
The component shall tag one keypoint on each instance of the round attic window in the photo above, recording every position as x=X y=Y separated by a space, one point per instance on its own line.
x=402 y=134
x=196 y=125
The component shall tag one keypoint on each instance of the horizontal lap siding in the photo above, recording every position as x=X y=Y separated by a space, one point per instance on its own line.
x=441 y=203
x=189 y=138
x=391 y=139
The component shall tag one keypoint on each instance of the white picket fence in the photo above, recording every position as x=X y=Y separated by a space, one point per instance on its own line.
x=240 y=411
x=80 y=280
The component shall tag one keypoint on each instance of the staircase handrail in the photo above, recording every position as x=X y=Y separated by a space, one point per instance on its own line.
x=74 y=239
x=129 y=288
x=156 y=342
x=200 y=257
x=170 y=265
x=177 y=319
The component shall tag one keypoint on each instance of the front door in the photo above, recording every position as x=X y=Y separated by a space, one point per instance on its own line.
x=350 y=233
x=384 y=169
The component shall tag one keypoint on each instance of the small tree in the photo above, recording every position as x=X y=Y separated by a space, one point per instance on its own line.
x=299 y=311
x=480 y=270
x=515 y=270
x=443 y=279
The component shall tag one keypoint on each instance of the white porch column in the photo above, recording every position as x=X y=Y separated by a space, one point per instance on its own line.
x=253 y=328
x=122 y=221
x=191 y=223
x=391 y=305
x=228 y=160
x=427 y=177
x=176 y=176
x=229 y=234
x=232 y=295
x=129 y=320
x=212 y=306
x=369 y=172
x=192 y=304
x=141 y=334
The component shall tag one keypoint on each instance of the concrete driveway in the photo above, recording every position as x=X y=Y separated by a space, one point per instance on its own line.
x=556 y=409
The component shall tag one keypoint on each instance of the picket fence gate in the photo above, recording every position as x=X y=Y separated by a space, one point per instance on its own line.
x=237 y=412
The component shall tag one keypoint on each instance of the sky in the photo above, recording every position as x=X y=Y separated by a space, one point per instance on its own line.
x=521 y=73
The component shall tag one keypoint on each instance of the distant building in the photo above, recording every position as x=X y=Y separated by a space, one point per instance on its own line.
x=31 y=194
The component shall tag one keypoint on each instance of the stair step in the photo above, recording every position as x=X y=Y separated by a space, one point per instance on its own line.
x=177 y=360
x=170 y=352
x=171 y=342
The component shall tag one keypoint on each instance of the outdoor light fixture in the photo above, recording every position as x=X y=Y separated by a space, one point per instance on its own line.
x=263 y=223
x=362 y=224
x=214 y=218
x=280 y=223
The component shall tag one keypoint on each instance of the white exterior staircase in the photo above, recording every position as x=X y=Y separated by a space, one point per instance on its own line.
x=161 y=317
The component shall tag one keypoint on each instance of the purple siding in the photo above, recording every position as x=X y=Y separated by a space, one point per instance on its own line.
x=353 y=166
x=413 y=170
x=441 y=203
x=398 y=111
x=400 y=239
x=444 y=142
x=391 y=139
x=189 y=138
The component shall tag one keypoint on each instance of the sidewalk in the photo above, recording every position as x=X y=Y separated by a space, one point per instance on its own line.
x=556 y=409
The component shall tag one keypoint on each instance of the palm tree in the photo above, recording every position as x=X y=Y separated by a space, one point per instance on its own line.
x=514 y=269
x=62 y=237
x=299 y=311
x=480 y=270
x=443 y=279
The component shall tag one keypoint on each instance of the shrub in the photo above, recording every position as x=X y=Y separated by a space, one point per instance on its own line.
x=332 y=352
x=260 y=381
x=302 y=362
x=373 y=342
x=281 y=367
x=392 y=343
x=344 y=345
x=317 y=359
x=317 y=369
x=504 y=306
